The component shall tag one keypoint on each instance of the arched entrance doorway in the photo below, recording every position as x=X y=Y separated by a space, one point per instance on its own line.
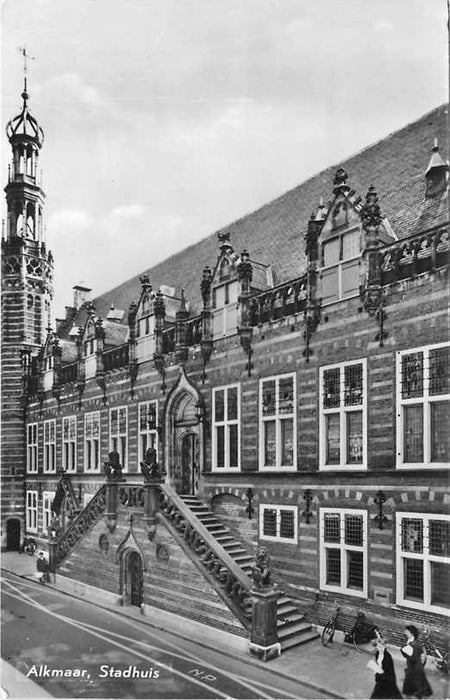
x=189 y=450
x=134 y=579
x=13 y=534
x=184 y=437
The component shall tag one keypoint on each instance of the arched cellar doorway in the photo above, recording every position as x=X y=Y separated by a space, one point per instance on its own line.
x=133 y=578
x=13 y=534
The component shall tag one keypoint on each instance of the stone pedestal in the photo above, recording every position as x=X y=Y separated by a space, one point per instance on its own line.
x=264 y=642
x=152 y=490
x=112 y=503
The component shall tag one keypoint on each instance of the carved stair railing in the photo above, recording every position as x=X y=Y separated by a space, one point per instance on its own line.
x=219 y=567
x=77 y=529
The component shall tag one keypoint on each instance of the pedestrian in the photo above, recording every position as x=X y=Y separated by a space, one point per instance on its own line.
x=415 y=683
x=41 y=568
x=383 y=667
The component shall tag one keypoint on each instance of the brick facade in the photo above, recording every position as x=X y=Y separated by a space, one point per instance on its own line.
x=282 y=333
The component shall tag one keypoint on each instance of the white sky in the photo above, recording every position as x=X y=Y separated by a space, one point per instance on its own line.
x=167 y=119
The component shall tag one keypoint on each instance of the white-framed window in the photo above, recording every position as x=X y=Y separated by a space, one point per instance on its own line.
x=343 y=420
x=50 y=446
x=145 y=337
x=118 y=426
x=148 y=423
x=225 y=306
x=69 y=443
x=90 y=357
x=340 y=266
x=31 y=511
x=92 y=441
x=423 y=436
x=423 y=561
x=343 y=551
x=226 y=438
x=278 y=523
x=32 y=448
x=47 y=500
x=277 y=421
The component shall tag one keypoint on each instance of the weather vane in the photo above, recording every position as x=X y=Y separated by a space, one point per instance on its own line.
x=23 y=51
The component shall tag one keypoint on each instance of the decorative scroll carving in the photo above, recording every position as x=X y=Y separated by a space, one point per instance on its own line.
x=234 y=589
x=60 y=548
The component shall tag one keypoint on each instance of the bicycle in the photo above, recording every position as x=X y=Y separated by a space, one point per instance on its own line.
x=361 y=634
x=430 y=649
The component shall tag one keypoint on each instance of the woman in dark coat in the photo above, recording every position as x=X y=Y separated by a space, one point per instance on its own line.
x=385 y=681
x=415 y=683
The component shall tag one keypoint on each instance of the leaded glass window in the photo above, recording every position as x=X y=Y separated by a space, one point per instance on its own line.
x=50 y=446
x=277 y=422
x=118 y=433
x=92 y=441
x=343 y=416
x=343 y=550
x=69 y=446
x=423 y=561
x=423 y=396
x=148 y=424
x=278 y=522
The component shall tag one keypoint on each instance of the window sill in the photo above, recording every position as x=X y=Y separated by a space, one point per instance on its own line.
x=429 y=466
x=287 y=540
x=277 y=470
x=225 y=470
x=343 y=468
x=344 y=591
x=412 y=605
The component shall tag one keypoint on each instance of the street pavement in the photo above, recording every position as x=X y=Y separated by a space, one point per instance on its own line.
x=192 y=660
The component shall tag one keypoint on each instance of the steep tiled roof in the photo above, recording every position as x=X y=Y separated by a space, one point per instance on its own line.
x=274 y=234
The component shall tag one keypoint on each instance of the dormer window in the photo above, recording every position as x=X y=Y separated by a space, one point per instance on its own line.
x=48 y=372
x=145 y=337
x=90 y=359
x=225 y=304
x=340 y=266
x=89 y=347
x=224 y=270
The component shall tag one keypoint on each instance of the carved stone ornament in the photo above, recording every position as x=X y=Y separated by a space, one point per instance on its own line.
x=261 y=573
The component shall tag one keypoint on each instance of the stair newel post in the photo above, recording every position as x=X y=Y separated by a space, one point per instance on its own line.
x=264 y=642
x=153 y=478
x=113 y=470
x=52 y=540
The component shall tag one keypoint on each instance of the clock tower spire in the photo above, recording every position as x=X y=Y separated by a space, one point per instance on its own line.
x=27 y=291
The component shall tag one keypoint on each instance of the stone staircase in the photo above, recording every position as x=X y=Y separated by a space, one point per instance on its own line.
x=292 y=626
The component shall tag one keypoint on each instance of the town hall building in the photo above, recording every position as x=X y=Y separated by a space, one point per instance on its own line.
x=283 y=384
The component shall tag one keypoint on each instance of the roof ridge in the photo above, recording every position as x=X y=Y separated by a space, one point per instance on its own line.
x=259 y=213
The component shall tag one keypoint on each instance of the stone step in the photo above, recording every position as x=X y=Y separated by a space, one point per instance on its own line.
x=243 y=559
x=292 y=628
x=287 y=607
x=297 y=628
x=225 y=537
x=285 y=620
x=235 y=549
x=204 y=516
x=296 y=640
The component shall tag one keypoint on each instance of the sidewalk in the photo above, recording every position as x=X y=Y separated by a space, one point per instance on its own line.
x=338 y=671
